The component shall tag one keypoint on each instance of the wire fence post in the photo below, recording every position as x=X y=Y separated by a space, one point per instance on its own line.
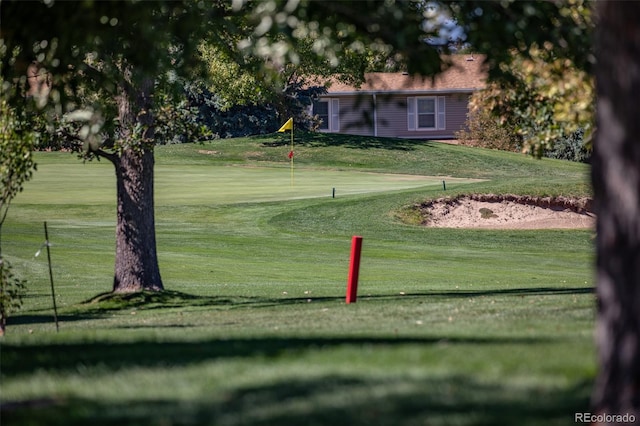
x=53 y=292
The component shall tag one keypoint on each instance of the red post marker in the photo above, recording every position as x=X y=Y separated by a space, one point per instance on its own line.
x=354 y=269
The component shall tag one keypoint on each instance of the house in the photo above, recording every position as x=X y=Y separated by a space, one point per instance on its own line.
x=403 y=106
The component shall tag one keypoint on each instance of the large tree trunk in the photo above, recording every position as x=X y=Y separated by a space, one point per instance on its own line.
x=136 y=266
x=616 y=185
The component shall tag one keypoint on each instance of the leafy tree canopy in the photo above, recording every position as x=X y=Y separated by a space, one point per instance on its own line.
x=545 y=100
x=16 y=157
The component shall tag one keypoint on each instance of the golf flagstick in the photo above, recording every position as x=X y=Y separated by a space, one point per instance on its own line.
x=291 y=153
x=289 y=126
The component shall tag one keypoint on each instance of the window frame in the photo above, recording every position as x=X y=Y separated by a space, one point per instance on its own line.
x=413 y=117
x=434 y=114
x=333 y=114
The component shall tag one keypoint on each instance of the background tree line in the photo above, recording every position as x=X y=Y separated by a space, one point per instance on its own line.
x=537 y=102
x=544 y=107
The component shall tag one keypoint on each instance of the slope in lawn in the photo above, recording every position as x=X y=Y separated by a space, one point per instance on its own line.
x=452 y=326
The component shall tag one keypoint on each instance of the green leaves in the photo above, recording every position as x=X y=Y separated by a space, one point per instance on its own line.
x=16 y=167
x=11 y=291
x=545 y=99
x=539 y=56
x=16 y=157
x=494 y=28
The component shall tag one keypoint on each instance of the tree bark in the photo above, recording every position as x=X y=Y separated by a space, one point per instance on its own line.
x=136 y=263
x=616 y=185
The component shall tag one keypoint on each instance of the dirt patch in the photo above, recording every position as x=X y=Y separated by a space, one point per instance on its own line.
x=489 y=211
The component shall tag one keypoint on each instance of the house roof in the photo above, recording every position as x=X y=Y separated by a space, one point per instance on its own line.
x=466 y=73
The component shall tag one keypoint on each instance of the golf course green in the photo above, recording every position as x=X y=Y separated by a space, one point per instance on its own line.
x=451 y=326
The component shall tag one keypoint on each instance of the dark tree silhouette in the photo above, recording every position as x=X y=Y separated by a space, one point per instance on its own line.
x=616 y=185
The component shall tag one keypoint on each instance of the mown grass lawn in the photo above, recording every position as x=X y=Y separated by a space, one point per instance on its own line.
x=451 y=327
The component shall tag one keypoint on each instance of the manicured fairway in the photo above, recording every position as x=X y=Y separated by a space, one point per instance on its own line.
x=94 y=183
x=452 y=327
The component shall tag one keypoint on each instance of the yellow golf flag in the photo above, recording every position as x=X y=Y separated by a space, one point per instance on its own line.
x=287 y=126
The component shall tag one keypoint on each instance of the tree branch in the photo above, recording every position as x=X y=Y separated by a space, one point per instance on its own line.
x=104 y=154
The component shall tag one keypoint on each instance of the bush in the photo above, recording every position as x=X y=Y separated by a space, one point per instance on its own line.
x=240 y=120
x=195 y=114
x=11 y=291
x=572 y=148
x=202 y=115
x=485 y=131
x=255 y=119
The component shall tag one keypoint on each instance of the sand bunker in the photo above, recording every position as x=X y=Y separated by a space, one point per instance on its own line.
x=489 y=211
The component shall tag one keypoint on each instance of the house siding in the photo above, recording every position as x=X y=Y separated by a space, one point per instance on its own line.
x=357 y=115
x=392 y=116
x=456 y=108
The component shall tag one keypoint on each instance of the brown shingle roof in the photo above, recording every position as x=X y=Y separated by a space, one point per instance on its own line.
x=466 y=73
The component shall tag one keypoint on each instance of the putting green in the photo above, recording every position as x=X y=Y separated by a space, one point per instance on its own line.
x=94 y=183
x=249 y=184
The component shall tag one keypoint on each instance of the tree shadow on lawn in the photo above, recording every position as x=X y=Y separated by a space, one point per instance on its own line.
x=329 y=400
x=60 y=357
x=316 y=139
x=533 y=291
x=99 y=306
x=176 y=299
x=333 y=400
x=31 y=319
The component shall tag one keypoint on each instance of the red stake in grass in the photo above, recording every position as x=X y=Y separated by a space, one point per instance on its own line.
x=354 y=269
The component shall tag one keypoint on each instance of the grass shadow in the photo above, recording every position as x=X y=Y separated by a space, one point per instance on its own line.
x=317 y=139
x=99 y=306
x=328 y=400
x=25 y=358
x=529 y=291
x=148 y=300
x=44 y=319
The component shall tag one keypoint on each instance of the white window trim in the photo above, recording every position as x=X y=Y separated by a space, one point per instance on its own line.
x=334 y=115
x=440 y=113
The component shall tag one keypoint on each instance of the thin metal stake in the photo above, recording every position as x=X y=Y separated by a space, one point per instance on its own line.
x=53 y=292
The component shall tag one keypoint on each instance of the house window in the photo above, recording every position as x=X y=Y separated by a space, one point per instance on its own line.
x=321 y=109
x=426 y=113
x=328 y=112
